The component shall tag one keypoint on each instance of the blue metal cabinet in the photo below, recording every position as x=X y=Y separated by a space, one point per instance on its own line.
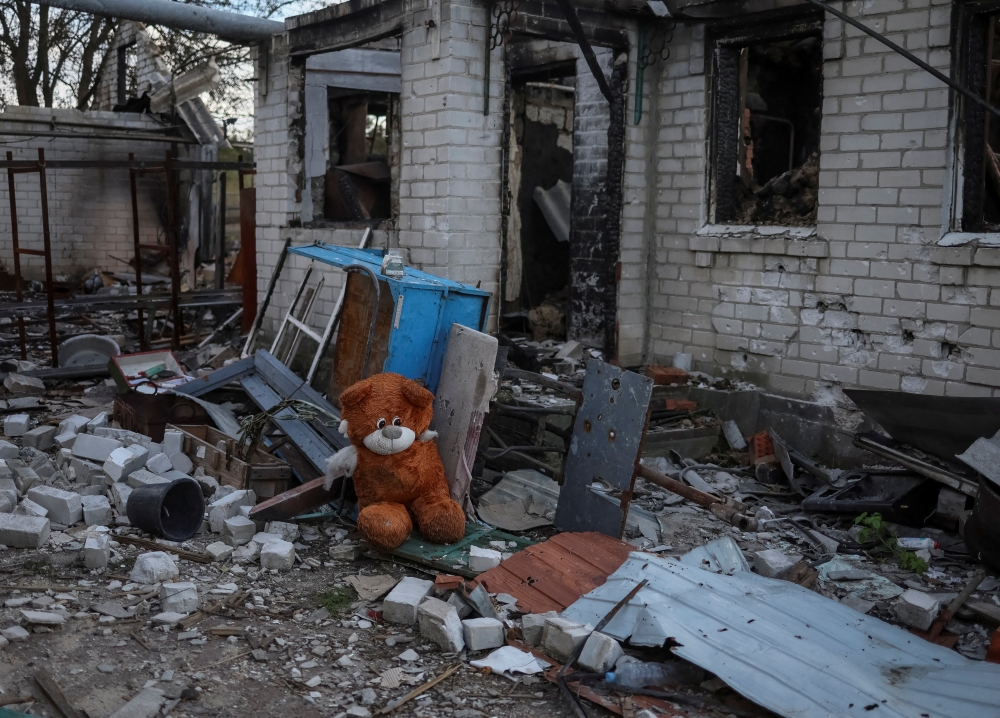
x=424 y=308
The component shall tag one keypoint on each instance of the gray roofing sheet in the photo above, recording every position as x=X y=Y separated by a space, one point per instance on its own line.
x=789 y=649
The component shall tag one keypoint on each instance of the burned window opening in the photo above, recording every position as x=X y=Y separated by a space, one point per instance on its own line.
x=981 y=136
x=767 y=129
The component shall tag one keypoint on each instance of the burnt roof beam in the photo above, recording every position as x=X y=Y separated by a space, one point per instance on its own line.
x=586 y=49
x=330 y=31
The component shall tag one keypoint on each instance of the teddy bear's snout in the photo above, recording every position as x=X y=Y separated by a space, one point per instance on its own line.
x=391 y=432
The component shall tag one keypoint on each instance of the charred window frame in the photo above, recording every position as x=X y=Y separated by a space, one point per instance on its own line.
x=978 y=50
x=787 y=197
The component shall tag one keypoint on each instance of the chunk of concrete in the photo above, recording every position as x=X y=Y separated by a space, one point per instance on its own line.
x=238 y=531
x=27 y=507
x=145 y=704
x=96 y=510
x=263 y=538
x=600 y=653
x=209 y=485
x=19 y=531
x=173 y=442
x=64 y=507
x=42 y=618
x=482 y=633
x=64 y=440
x=154 y=567
x=483 y=559
x=8 y=450
x=124 y=461
x=245 y=553
x=159 y=464
x=97 y=551
x=917 y=609
x=16 y=424
x=41 y=438
x=5 y=505
x=439 y=623
x=773 y=563
x=460 y=604
x=9 y=490
x=120 y=491
x=532 y=626
x=219 y=551
x=24 y=385
x=179 y=597
x=278 y=555
x=87 y=472
x=98 y=422
x=180 y=461
x=72 y=424
x=400 y=606
x=143 y=477
x=94 y=448
x=15 y=634
x=227 y=507
x=287 y=531
x=560 y=637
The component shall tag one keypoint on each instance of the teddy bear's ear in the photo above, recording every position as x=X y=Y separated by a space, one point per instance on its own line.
x=417 y=395
x=356 y=393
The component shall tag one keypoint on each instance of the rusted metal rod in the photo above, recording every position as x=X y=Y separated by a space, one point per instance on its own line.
x=18 y=289
x=717 y=506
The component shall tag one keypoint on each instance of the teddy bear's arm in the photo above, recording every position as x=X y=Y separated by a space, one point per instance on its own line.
x=342 y=463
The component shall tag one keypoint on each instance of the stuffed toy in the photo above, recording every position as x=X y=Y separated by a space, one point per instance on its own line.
x=394 y=461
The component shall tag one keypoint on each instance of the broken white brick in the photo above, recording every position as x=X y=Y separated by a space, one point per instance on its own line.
x=227 y=507
x=98 y=422
x=238 y=531
x=124 y=461
x=27 y=507
x=439 y=623
x=94 y=448
x=560 y=637
x=287 y=531
x=278 y=555
x=173 y=442
x=8 y=450
x=42 y=618
x=181 y=462
x=96 y=510
x=482 y=633
x=246 y=553
x=154 y=567
x=64 y=440
x=97 y=551
x=532 y=626
x=483 y=559
x=142 y=477
x=219 y=551
x=41 y=438
x=600 y=653
x=24 y=384
x=400 y=606
x=15 y=634
x=9 y=490
x=64 y=507
x=179 y=597
x=917 y=609
x=19 y=531
x=87 y=472
x=16 y=424
x=773 y=563
x=72 y=424
x=263 y=538
x=460 y=604
x=159 y=464
x=120 y=493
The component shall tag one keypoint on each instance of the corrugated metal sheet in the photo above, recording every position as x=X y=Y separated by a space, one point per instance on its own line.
x=789 y=649
x=549 y=576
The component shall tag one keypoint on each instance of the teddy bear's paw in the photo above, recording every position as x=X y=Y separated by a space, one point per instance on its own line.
x=428 y=435
x=343 y=462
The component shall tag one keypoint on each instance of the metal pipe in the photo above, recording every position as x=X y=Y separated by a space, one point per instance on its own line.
x=908 y=55
x=716 y=505
x=227 y=25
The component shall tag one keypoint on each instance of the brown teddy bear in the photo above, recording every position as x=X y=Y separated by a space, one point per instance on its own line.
x=395 y=463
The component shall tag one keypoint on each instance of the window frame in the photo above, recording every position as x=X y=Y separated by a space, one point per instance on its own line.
x=724 y=46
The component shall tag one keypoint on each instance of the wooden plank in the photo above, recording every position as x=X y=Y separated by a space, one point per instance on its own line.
x=54 y=693
x=295 y=502
x=200 y=445
x=311 y=444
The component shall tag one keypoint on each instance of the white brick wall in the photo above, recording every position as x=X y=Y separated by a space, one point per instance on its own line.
x=90 y=211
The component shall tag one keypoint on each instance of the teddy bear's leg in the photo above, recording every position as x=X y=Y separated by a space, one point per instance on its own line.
x=385 y=525
x=440 y=519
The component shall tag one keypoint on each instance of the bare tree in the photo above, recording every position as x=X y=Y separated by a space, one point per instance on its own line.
x=50 y=54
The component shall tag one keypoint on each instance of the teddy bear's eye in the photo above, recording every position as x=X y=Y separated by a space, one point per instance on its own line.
x=381 y=423
x=397 y=421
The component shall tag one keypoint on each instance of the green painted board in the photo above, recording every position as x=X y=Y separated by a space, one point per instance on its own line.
x=5 y=713
x=446 y=558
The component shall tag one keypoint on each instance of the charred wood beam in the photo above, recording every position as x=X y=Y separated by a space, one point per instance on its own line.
x=586 y=49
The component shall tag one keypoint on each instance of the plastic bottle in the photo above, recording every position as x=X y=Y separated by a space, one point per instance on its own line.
x=639 y=675
x=915 y=544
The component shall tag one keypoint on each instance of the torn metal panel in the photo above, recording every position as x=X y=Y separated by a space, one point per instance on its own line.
x=918 y=462
x=549 y=576
x=554 y=203
x=944 y=426
x=606 y=445
x=790 y=649
x=722 y=555
x=984 y=457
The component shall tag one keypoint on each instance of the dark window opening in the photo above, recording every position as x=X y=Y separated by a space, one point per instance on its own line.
x=541 y=179
x=358 y=178
x=767 y=131
x=981 y=131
